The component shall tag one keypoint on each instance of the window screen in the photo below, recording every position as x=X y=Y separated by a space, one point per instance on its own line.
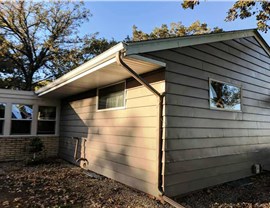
x=20 y=127
x=111 y=96
x=46 y=112
x=46 y=120
x=21 y=119
x=225 y=96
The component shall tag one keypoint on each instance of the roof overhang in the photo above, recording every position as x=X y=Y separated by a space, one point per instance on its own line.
x=104 y=69
x=99 y=71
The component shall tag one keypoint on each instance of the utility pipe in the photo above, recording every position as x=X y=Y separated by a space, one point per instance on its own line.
x=76 y=147
x=83 y=158
x=76 y=151
x=142 y=81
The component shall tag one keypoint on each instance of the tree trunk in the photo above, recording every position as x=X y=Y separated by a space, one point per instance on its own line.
x=28 y=83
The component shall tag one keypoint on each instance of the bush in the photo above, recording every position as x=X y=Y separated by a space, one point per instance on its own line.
x=36 y=147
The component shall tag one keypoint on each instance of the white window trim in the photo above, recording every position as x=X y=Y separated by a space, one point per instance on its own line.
x=115 y=108
x=10 y=97
x=8 y=119
x=223 y=109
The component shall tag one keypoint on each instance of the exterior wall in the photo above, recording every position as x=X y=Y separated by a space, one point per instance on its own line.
x=10 y=97
x=206 y=147
x=120 y=144
x=16 y=148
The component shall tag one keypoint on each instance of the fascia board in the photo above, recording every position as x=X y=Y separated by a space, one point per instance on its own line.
x=262 y=42
x=163 y=44
x=142 y=58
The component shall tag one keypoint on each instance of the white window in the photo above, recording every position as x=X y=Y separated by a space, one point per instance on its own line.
x=112 y=97
x=2 y=116
x=21 y=119
x=224 y=96
x=46 y=120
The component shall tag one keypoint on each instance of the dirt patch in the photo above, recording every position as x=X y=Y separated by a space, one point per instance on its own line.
x=252 y=192
x=60 y=184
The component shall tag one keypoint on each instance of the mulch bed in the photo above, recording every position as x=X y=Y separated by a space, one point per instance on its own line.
x=60 y=184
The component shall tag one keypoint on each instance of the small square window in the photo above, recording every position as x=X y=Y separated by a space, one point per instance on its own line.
x=224 y=96
x=111 y=97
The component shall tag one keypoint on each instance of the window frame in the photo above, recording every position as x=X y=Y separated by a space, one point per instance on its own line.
x=4 y=118
x=54 y=120
x=114 y=108
x=227 y=83
x=14 y=119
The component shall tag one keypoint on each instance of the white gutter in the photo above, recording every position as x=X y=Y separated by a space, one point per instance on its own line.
x=94 y=64
x=82 y=74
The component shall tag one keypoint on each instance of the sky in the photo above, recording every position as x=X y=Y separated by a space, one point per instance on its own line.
x=114 y=19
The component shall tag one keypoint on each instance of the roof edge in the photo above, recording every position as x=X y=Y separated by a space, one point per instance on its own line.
x=103 y=57
x=167 y=43
x=93 y=69
x=262 y=42
x=134 y=50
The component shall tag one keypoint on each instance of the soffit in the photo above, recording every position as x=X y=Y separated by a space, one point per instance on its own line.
x=110 y=72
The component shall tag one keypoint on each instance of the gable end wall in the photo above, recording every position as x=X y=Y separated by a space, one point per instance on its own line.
x=206 y=147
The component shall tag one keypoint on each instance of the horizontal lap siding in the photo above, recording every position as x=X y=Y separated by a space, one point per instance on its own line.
x=205 y=147
x=120 y=144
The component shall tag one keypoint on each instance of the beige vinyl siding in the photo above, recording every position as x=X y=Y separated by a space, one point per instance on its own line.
x=205 y=147
x=120 y=144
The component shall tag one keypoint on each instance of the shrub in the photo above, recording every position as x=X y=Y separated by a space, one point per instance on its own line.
x=36 y=147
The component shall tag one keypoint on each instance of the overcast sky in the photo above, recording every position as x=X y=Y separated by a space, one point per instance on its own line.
x=115 y=19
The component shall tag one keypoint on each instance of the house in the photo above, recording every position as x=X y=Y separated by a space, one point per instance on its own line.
x=170 y=115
